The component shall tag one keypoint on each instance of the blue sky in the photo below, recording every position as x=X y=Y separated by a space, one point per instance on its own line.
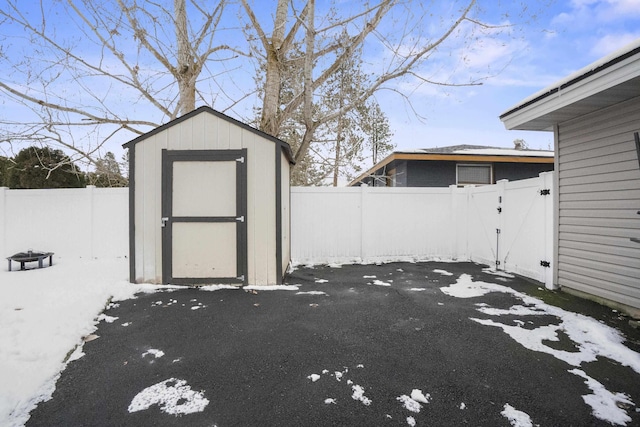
x=565 y=36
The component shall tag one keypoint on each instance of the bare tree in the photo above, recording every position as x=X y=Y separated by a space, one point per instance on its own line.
x=82 y=74
x=400 y=29
x=104 y=69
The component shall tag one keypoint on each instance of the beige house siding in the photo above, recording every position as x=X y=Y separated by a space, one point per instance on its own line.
x=208 y=132
x=599 y=197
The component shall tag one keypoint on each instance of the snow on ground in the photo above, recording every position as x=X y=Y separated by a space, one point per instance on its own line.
x=591 y=338
x=515 y=417
x=174 y=397
x=443 y=272
x=44 y=314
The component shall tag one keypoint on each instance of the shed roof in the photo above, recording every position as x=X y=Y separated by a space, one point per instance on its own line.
x=204 y=109
x=608 y=81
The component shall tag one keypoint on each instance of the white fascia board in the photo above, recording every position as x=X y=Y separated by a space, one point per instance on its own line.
x=609 y=77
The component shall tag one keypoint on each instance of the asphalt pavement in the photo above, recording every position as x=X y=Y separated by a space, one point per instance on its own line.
x=344 y=349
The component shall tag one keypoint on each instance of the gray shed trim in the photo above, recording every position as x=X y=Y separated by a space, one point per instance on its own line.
x=169 y=156
x=281 y=147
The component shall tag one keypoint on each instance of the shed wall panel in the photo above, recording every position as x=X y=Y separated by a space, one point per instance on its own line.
x=599 y=196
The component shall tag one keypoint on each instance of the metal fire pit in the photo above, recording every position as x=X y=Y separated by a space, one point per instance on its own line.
x=30 y=256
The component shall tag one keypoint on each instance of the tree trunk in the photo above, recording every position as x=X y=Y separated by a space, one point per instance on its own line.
x=185 y=71
x=307 y=108
x=269 y=122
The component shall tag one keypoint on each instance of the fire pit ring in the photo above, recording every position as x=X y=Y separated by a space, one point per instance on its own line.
x=30 y=256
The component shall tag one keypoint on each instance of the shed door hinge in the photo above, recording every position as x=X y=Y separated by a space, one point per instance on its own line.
x=497 y=231
x=241 y=159
x=545 y=263
x=240 y=218
x=545 y=192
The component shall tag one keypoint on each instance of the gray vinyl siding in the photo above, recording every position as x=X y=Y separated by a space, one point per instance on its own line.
x=599 y=197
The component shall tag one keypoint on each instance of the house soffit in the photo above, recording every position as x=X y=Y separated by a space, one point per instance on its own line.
x=595 y=87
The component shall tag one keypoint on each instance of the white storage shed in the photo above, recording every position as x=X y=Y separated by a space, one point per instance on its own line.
x=595 y=117
x=209 y=203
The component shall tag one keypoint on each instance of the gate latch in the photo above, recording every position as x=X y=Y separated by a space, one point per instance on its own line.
x=164 y=221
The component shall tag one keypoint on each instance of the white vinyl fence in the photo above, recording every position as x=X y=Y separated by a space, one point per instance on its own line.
x=328 y=225
x=72 y=222
x=508 y=226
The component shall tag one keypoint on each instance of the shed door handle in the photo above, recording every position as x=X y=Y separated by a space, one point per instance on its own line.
x=164 y=221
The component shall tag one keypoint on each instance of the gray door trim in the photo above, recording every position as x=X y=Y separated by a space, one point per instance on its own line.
x=168 y=158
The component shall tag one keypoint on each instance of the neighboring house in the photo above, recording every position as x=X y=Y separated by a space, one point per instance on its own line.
x=595 y=117
x=456 y=165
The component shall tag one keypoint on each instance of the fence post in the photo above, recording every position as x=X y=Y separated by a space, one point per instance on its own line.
x=363 y=243
x=549 y=229
x=500 y=203
x=454 y=224
x=3 y=221
x=92 y=222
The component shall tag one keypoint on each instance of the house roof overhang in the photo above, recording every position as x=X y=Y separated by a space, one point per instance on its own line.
x=286 y=148
x=611 y=80
x=454 y=157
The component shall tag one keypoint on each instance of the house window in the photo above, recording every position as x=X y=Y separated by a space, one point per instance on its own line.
x=474 y=174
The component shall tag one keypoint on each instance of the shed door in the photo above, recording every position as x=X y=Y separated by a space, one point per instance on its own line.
x=204 y=217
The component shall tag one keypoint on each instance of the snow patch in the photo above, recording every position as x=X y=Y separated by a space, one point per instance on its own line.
x=212 y=288
x=107 y=319
x=418 y=289
x=58 y=306
x=379 y=283
x=411 y=421
x=416 y=394
x=312 y=293
x=314 y=377
x=409 y=403
x=329 y=401
x=369 y=277
x=443 y=272
x=604 y=404
x=591 y=338
x=462 y=405
x=515 y=417
x=498 y=273
x=174 y=397
x=322 y=281
x=77 y=353
x=272 y=288
x=358 y=394
x=154 y=352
